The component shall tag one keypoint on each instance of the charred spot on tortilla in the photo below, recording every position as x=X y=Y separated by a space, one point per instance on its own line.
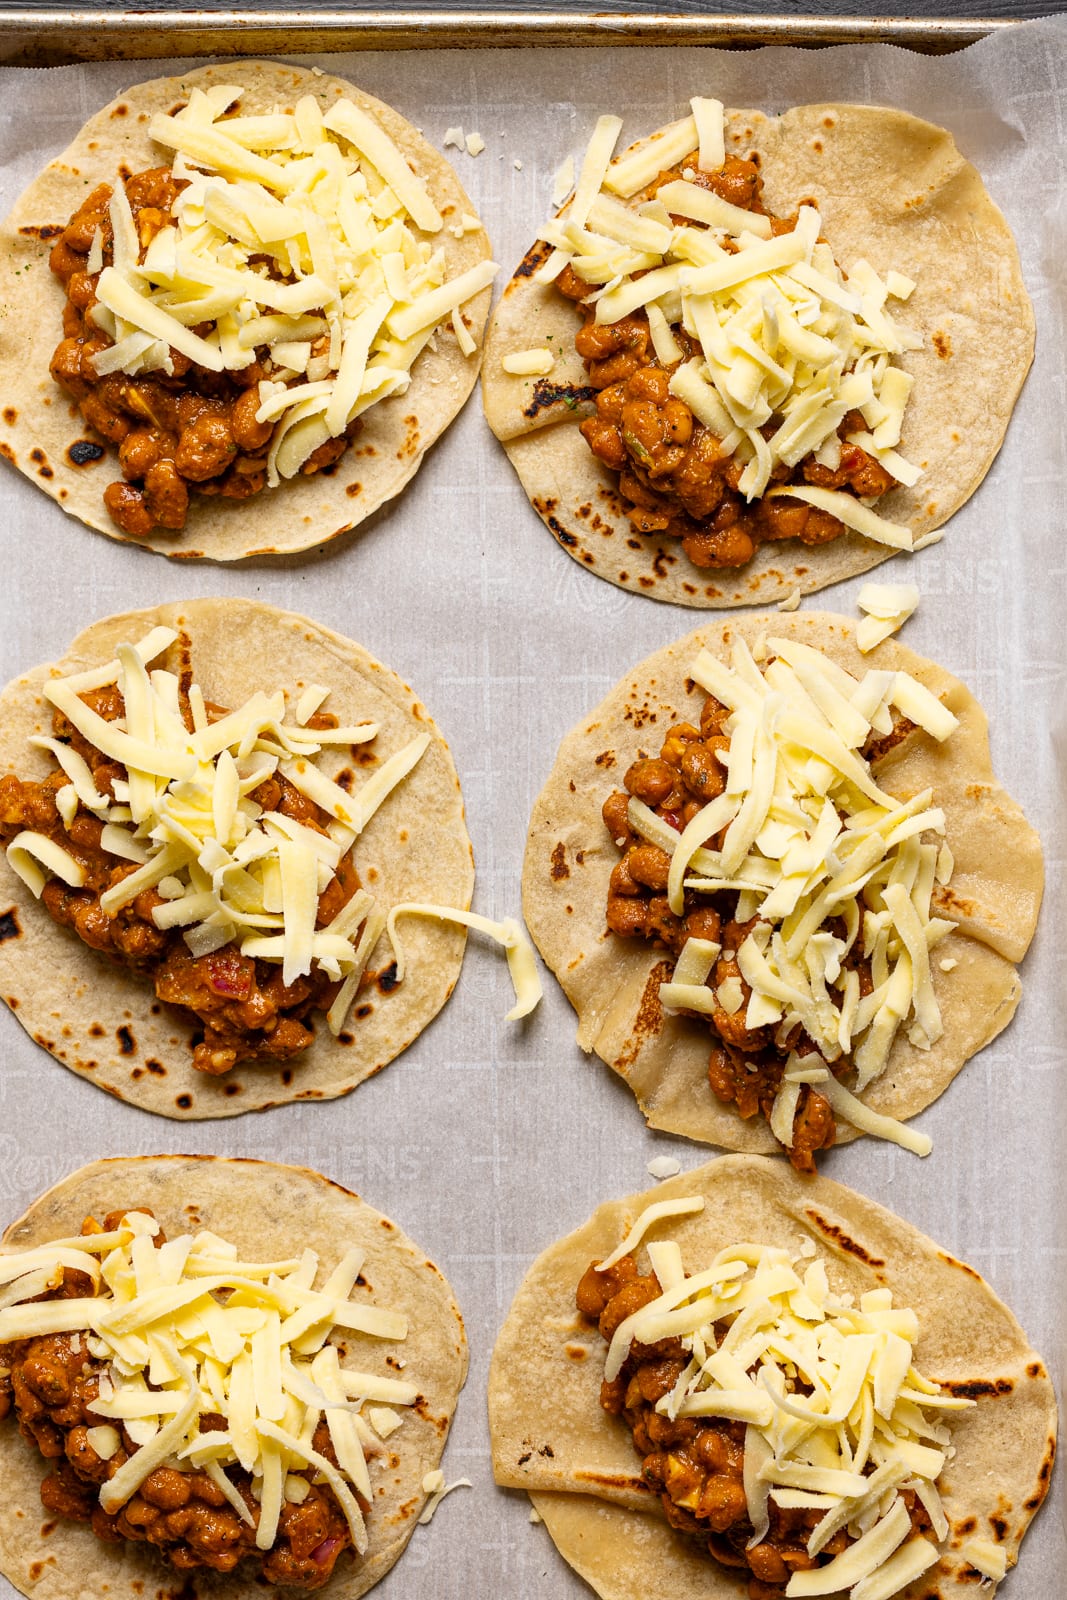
x=842 y=1241
x=962 y=1266
x=972 y=1388
x=571 y=395
x=82 y=451
x=9 y=925
x=535 y=257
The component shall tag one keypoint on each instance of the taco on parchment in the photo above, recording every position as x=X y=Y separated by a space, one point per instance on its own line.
x=210 y=931
x=309 y=1477
x=781 y=886
x=755 y=355
x=238 y=310
x=742 y=1383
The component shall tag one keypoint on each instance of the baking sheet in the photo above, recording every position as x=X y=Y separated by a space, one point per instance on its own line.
x=486 y=1140
x=53 y=36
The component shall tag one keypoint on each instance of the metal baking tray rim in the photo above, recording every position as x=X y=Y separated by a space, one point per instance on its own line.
x=52 y=35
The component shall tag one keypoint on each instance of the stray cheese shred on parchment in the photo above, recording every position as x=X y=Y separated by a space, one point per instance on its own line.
x=191 y=1329
x=887 y=606
x=783 y=332
x=837 y=1417
x=303 y=233
x=227 y=870
x=826 y=860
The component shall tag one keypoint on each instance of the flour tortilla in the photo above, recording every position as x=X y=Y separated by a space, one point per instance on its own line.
x=551 y=1437
x=994 y=893
x=39 y=422
x=104 y=1022
x=891 y=189
x=268 y=1212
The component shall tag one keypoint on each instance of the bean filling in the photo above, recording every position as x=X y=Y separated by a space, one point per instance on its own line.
x=244 y=1010
x=51 y=1383
x=746 y=1064
x=671 y=476
x=189 y=431
x=696 y=1464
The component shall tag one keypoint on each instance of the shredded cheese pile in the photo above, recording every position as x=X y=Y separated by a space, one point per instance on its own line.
x=810 y=839
x=784 y=334
x=303 y=233
x=835 y=1411
x=229 y=871
x=190 y=1329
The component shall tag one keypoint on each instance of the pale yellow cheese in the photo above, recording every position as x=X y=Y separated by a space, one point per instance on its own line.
x=262 y=1379
x=832 y=1424
x=809 y=839
x=332 y=202
x=888 y=607
x=783 y=333
x=509 y=933
x=227 y=871
x=529 y=363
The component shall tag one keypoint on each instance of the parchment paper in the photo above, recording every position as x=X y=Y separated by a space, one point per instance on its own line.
x=487 y=1140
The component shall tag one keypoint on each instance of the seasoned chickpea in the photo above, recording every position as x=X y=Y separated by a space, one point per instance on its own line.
x=722 y=1501
x=631 y=1297
x=677 y=422
x=614 y=812
x=621 y=882
x=767 y=1564
x=642 y=429
x=167 y=1489
x=81 y=290
x=703 y=771
x=627 y=918
x=109 y=424
x=139 y=451
x=712 y=717
x=127 y=509
x=677 y=741
x=651 y=383
x=648 y=865
x=247 y=432
x=166 y=497
x=821 y=528
x=66 y=367
x=704 y=923
x=205 y=449
x=731 y=547
x=650 y=781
